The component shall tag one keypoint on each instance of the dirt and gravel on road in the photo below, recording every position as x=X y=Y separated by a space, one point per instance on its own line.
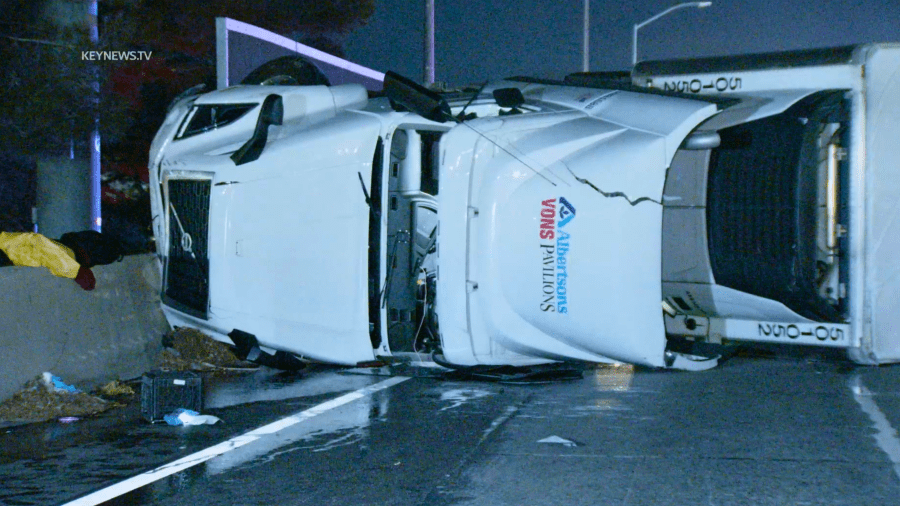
x=185 y=350
x=191 y=350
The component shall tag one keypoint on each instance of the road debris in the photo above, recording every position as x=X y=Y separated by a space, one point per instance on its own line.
x=189 y=349
x=189 y=417
x=116 y=388
x=535 y=374
x=58 y=385
x=41 y=400
x=556 y=440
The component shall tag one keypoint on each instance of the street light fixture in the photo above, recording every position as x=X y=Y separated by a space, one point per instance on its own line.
x=634 y=52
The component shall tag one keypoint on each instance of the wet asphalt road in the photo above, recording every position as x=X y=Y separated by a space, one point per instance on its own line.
x=798 y=427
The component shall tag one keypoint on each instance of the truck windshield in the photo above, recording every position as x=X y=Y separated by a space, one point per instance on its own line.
x=212 y=116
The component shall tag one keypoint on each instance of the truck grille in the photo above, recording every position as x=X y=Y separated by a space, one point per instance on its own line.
x=186 y=285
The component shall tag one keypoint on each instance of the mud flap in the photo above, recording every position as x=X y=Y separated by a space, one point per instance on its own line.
x=247 y=348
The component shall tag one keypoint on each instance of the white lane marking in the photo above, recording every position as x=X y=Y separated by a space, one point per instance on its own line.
x=135 y=482
x=887 y=436
x=500 y=420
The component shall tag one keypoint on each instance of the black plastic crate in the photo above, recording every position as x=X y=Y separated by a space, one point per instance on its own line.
x=162 y=392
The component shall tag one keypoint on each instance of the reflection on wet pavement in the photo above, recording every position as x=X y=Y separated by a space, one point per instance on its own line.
x=272 y=385
x=348 y=423
x=108 y=448
x=612 y=377
x=460 y=396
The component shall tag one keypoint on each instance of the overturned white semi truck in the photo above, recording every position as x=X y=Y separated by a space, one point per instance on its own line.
x=741 y=198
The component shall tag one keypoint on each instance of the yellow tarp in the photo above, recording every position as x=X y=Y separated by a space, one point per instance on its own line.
x=34 y=250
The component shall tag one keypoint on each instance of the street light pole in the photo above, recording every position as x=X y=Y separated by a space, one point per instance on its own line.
x=585 y=48
x=428 y=78
x=634 y=34
x=96 y=220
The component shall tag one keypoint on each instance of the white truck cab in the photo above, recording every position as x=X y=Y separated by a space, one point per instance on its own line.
x=534 y=221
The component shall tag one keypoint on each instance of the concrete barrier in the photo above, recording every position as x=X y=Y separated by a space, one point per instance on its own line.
x=49 y=323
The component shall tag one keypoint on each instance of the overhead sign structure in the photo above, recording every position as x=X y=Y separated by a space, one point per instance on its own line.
x=242 y=47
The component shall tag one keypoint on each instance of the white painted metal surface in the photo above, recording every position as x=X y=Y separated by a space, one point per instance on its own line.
x=287 y=235
x=560 y=230
x=880 y=337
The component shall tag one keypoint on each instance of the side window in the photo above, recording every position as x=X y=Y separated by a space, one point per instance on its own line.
x=414 y=161
x=425 y=223
x=430 y=161
x=398 y=151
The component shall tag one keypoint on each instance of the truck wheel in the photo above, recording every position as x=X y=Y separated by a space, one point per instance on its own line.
x=287 y=70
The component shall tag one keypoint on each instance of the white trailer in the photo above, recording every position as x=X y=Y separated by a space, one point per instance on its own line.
x=534 y=221
x=800 y=202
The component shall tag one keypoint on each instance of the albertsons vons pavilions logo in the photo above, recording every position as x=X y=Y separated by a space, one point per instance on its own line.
x=555 y=215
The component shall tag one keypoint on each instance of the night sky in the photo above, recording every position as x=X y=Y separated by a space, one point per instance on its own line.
x=542 y=38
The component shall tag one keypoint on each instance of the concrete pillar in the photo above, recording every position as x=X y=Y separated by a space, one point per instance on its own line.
x=63 y=196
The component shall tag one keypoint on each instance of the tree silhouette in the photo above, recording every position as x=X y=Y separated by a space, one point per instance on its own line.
x=51 y=99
